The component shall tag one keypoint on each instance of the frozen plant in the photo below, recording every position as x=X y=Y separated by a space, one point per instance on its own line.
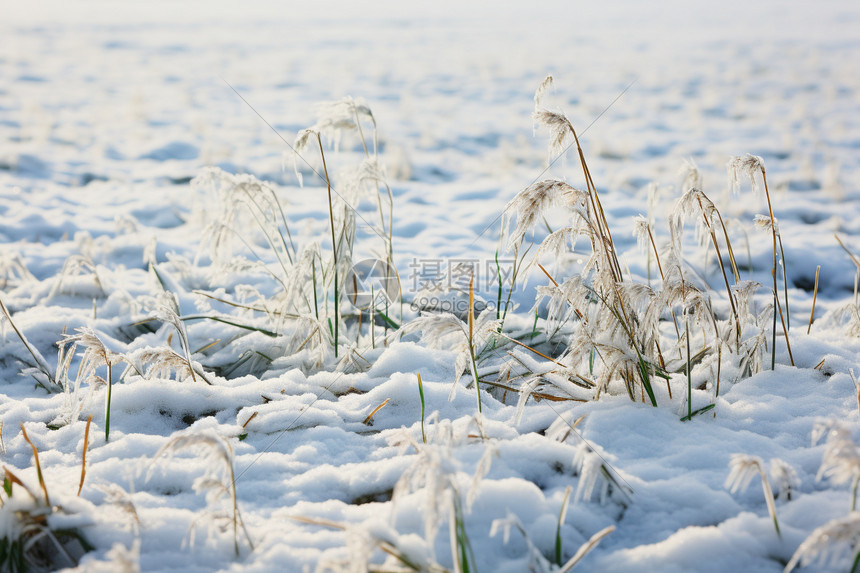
x=168 y=311
x=841 y=461
x=750 y=165
x=743 y=469
x=537 y=562
x=434 y=475
x=95 y=355
x=218 y=479
x=534 y=201
x=830 y=544
x=784 y=478
x=13 y=270
x=245 y=202
x=467 y=339
x=595 y=475
x=404 y=554
x=27 y=539
x=75 y=266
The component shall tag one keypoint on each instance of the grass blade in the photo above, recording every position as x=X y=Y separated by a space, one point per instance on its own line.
x=814 y=297
x=268 y=333
x=84 y=455
x=38 y=466
x=586 y=548
x=421 y=395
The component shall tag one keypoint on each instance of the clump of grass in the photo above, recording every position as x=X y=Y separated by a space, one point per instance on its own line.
x=750 y=165
x=239 y=197
x=611 y=328
x=75 y=266
x=311 y=284
x=435 y=473
x=168 y=311
x=607 y=305
x=95 y=355
x=217 y=481
x=13 y=270
x=27 y=539
x=694 y=201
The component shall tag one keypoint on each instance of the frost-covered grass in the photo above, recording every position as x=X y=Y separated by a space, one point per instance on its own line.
x=626 y=334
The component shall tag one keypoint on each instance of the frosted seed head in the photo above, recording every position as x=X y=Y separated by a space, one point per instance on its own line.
x=744 y=165
x=544 y=87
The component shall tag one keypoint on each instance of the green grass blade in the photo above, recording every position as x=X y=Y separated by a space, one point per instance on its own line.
x=421 y=395
x=231 y=323
x=387 y=319
x=707 y=408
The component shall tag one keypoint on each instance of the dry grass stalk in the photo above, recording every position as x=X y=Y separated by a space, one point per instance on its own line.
x=814 y=297
x=248 y=421
x=84 y=454
x=39 y=474
x=369 y=420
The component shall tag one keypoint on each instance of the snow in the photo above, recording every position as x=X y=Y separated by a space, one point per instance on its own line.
x=107 y=115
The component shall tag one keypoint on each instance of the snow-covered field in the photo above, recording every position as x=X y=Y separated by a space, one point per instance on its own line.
x=117 y=239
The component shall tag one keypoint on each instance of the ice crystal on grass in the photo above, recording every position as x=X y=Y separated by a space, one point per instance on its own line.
x=542 y=89
x=13 y=271
x=747 y=165
x=74 y=267
x=830 y=545
x=560 y=129
x=691 y=178
x=743 y=469
x=535 y=200
x=592 y=480
x=841 y=461
x=784 y=478
x=765 y=223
